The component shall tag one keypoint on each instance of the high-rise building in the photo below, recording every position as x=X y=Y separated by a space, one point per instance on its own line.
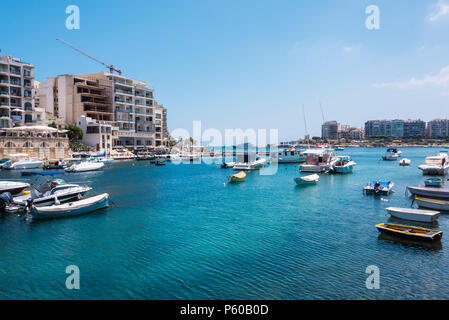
x=329 y=130
x=16 y=92
x=438 y=128
x=142 y=122
x=414 y=129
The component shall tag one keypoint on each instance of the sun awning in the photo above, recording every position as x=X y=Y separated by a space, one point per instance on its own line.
x=17 y=110
x=36 y=129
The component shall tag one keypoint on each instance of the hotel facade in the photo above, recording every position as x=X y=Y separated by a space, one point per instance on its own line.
x=17 y=87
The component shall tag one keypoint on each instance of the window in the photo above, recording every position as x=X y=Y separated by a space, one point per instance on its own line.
x=59 y=145
x=45 y=145
x=10 y=145
x=27 y=145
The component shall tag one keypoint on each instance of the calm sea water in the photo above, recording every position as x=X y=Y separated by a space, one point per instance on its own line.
x=178 y=232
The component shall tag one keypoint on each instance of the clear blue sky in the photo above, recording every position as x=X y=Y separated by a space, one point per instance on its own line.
x=252 y=64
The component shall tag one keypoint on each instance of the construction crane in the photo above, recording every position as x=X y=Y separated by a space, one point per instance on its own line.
x=110 y=67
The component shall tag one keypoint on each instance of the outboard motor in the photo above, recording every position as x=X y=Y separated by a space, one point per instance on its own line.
x=5 y=200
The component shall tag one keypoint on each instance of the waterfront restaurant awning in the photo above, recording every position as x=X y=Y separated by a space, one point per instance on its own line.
x=17 y=110
x=36 y=129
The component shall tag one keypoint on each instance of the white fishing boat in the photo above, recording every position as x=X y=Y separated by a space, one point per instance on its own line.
x=390 y=156
x=344 y=164
x=307 y=180
x=318 y=160
x=251 y=165
x=291 y=155
x=85 y=166
x=436 y=193
x=21 y=161
x=405 y=162
x=436 y=165
x=227 y=165
x=379 y=188
x=71 y=208
x=13 y=187
x=430 y=203
x=414 y=214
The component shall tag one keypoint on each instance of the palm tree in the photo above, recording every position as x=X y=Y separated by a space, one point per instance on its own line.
x=191 y=142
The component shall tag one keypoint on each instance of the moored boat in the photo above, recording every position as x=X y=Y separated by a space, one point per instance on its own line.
x=344 y=164
x=291 y=155
x=434 y=204
x=71 y=208
x=433 y=182
x=318 y=160
x=238 y=177
x=436 y=165
x=85 y=166
x=378 y=188
x=405 y=162
x=436 y=193
x=21 y=162
x=13 y=187
x=409 y=232
x=414 y=214
x=227 y=165
x=307 y=180
x=251 y=165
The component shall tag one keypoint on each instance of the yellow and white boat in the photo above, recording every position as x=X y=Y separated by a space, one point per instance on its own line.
x=238 y=177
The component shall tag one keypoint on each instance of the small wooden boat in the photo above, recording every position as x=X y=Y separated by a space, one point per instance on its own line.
x=307 y=180
x=414 y=214
x=435 y=193
x=72 y=208
x=433 y=182
x=405 y=162
x=238 y=177
x=434 y=204
x=378 y=188
x=410 y=233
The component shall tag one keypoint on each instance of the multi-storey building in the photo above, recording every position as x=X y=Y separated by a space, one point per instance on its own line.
x=16 y=92
x=329 y=130
x=438 y=128
x=414 y=129
x=141 y=121
x=68 y=97
x=97 y=134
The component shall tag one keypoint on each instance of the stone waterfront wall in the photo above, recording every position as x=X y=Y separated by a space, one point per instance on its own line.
x=47 y=147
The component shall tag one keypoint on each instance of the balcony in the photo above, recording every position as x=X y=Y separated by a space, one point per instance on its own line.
x=15 y=71
x=15 y=83
x=123 y=91
x=123 y=119
x=123 y=110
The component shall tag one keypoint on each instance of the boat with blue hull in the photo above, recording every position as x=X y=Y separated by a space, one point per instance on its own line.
x=344 y=164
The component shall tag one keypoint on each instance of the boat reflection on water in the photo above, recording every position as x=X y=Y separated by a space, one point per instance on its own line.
x=437 y=245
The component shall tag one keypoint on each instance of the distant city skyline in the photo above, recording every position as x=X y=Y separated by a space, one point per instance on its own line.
x=253 y=65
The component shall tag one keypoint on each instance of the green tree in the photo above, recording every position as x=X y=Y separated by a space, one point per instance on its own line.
x=74 y=133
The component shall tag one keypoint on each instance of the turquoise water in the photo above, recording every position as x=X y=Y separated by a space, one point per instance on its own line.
x=178 y=232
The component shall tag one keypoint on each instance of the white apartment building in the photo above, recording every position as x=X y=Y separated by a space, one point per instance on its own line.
x=141 y=122
x=97 y=134
x=16 y=92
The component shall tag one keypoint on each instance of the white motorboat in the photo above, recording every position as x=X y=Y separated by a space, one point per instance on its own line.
x=227 y=165
x=312 y=179
x=436 y=193
x=414 y=214
x=434 y=204
x=405 y=162
x=436 y=165
x=379 y=188
x=13 y=187
x=318 y=160
x=344 y=164
x=291 y=155
x=21 y=161
x=71 y=208
x=389 y=156
x=104 y=160
x=249 y=166
x=85 y=166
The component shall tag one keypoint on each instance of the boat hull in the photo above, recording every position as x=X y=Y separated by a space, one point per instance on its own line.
x=66 y=211
x=313 y=168
x=432 y=237
x=437 y=193
x=413 y=215
x=344 y=169
x=434 y=204
x=434 y=171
